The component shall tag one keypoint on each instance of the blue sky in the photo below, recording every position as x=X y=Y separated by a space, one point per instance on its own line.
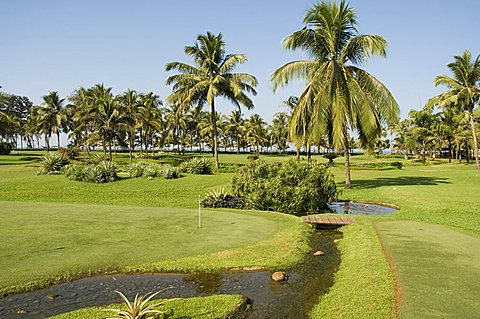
x=62 y=45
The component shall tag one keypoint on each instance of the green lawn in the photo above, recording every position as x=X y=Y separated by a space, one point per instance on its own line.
x=438 y=193
x=438 y=269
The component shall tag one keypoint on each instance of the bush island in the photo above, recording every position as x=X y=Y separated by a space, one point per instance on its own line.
x=289 y=187
x=197 y=165
x=103 y=172
x=5 y=148
x=70 y=153
x=378 y=166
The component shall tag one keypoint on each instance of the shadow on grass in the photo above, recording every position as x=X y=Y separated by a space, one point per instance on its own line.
x=399 y=181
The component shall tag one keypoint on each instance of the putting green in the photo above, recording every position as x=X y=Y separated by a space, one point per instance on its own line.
x=437 y=268
x=48 y=241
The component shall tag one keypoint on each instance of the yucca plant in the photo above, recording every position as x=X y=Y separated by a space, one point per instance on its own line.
x=137 y=169
x=106 y=171
x=197 y=165
x=222 y=198
x=138 y=309
x=53 y=163
x=170 y=172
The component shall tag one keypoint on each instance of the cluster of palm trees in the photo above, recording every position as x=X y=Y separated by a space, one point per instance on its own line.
x=453 y=128
x=95 y=117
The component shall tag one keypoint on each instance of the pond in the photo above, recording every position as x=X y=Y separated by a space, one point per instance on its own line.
x=356 y=208
x=291 y=299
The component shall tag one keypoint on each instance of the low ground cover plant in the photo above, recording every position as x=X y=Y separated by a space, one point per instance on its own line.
x=289 y=187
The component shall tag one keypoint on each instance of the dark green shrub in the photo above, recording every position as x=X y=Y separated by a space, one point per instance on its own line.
x=53 y=163
x=252 y=157
x=222 y=199
x=197 y=165
x=290 y=187
x=5 y=148
x=381 y=166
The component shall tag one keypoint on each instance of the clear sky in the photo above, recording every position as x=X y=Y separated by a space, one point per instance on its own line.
x=62 y=45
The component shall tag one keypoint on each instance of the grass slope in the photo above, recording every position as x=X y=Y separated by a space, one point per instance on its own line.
x=364 y=286
x=214 y=307
x=47 y=242
x=438 y=269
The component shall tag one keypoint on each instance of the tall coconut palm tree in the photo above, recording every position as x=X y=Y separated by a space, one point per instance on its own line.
x=211 y=76
x=280 y=130
x=130 y=100
x=463 y=90
x=176 y=121
x=149 y=118
x=236 y=127
x=256 y=131
x=339 y=96
x=53 y=115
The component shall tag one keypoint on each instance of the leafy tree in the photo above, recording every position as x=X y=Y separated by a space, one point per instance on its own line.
x=176 y=122
x=130 y=100
x=338 y=96
x=211 y=76
x=463 y=90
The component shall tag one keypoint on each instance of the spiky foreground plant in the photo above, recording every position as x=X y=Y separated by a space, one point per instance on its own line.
x=138 y=309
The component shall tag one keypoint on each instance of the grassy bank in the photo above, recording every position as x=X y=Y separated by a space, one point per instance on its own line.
x=364 y=286
x=214 y=307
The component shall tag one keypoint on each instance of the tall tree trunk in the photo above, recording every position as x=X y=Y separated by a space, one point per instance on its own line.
x=47 y=142
x=450 y=152
x=214 y=120
x=238 y=145
x=423 y=153
x=467 y=151
x=348 y=181
x=309 y=152
x=130 y=156
x=58 y=140
x=298 y=152
x=110 y=149
x=475 y=142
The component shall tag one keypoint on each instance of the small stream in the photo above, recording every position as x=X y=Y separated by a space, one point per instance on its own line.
x=291 y=299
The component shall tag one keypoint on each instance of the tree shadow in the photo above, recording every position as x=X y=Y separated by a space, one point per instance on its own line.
x=399 y=181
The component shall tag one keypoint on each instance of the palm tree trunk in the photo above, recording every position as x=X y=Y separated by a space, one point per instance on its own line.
x=47 y=142
x=298 y=153
x=423 y=152
x=348 y=181
x=214 y=120
x=475 y=142
x=58 y=141
x=238 y=145
x=130 y=147
x=467 y=150
x=450 y=152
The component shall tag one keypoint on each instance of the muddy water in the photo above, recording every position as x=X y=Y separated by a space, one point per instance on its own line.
x=307 y=282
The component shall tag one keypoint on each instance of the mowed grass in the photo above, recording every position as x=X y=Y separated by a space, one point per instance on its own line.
x=446 y=194
x=437 y=267
x=214 y=307
x=19 y=183
x=364 y=286
x=43 y=243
